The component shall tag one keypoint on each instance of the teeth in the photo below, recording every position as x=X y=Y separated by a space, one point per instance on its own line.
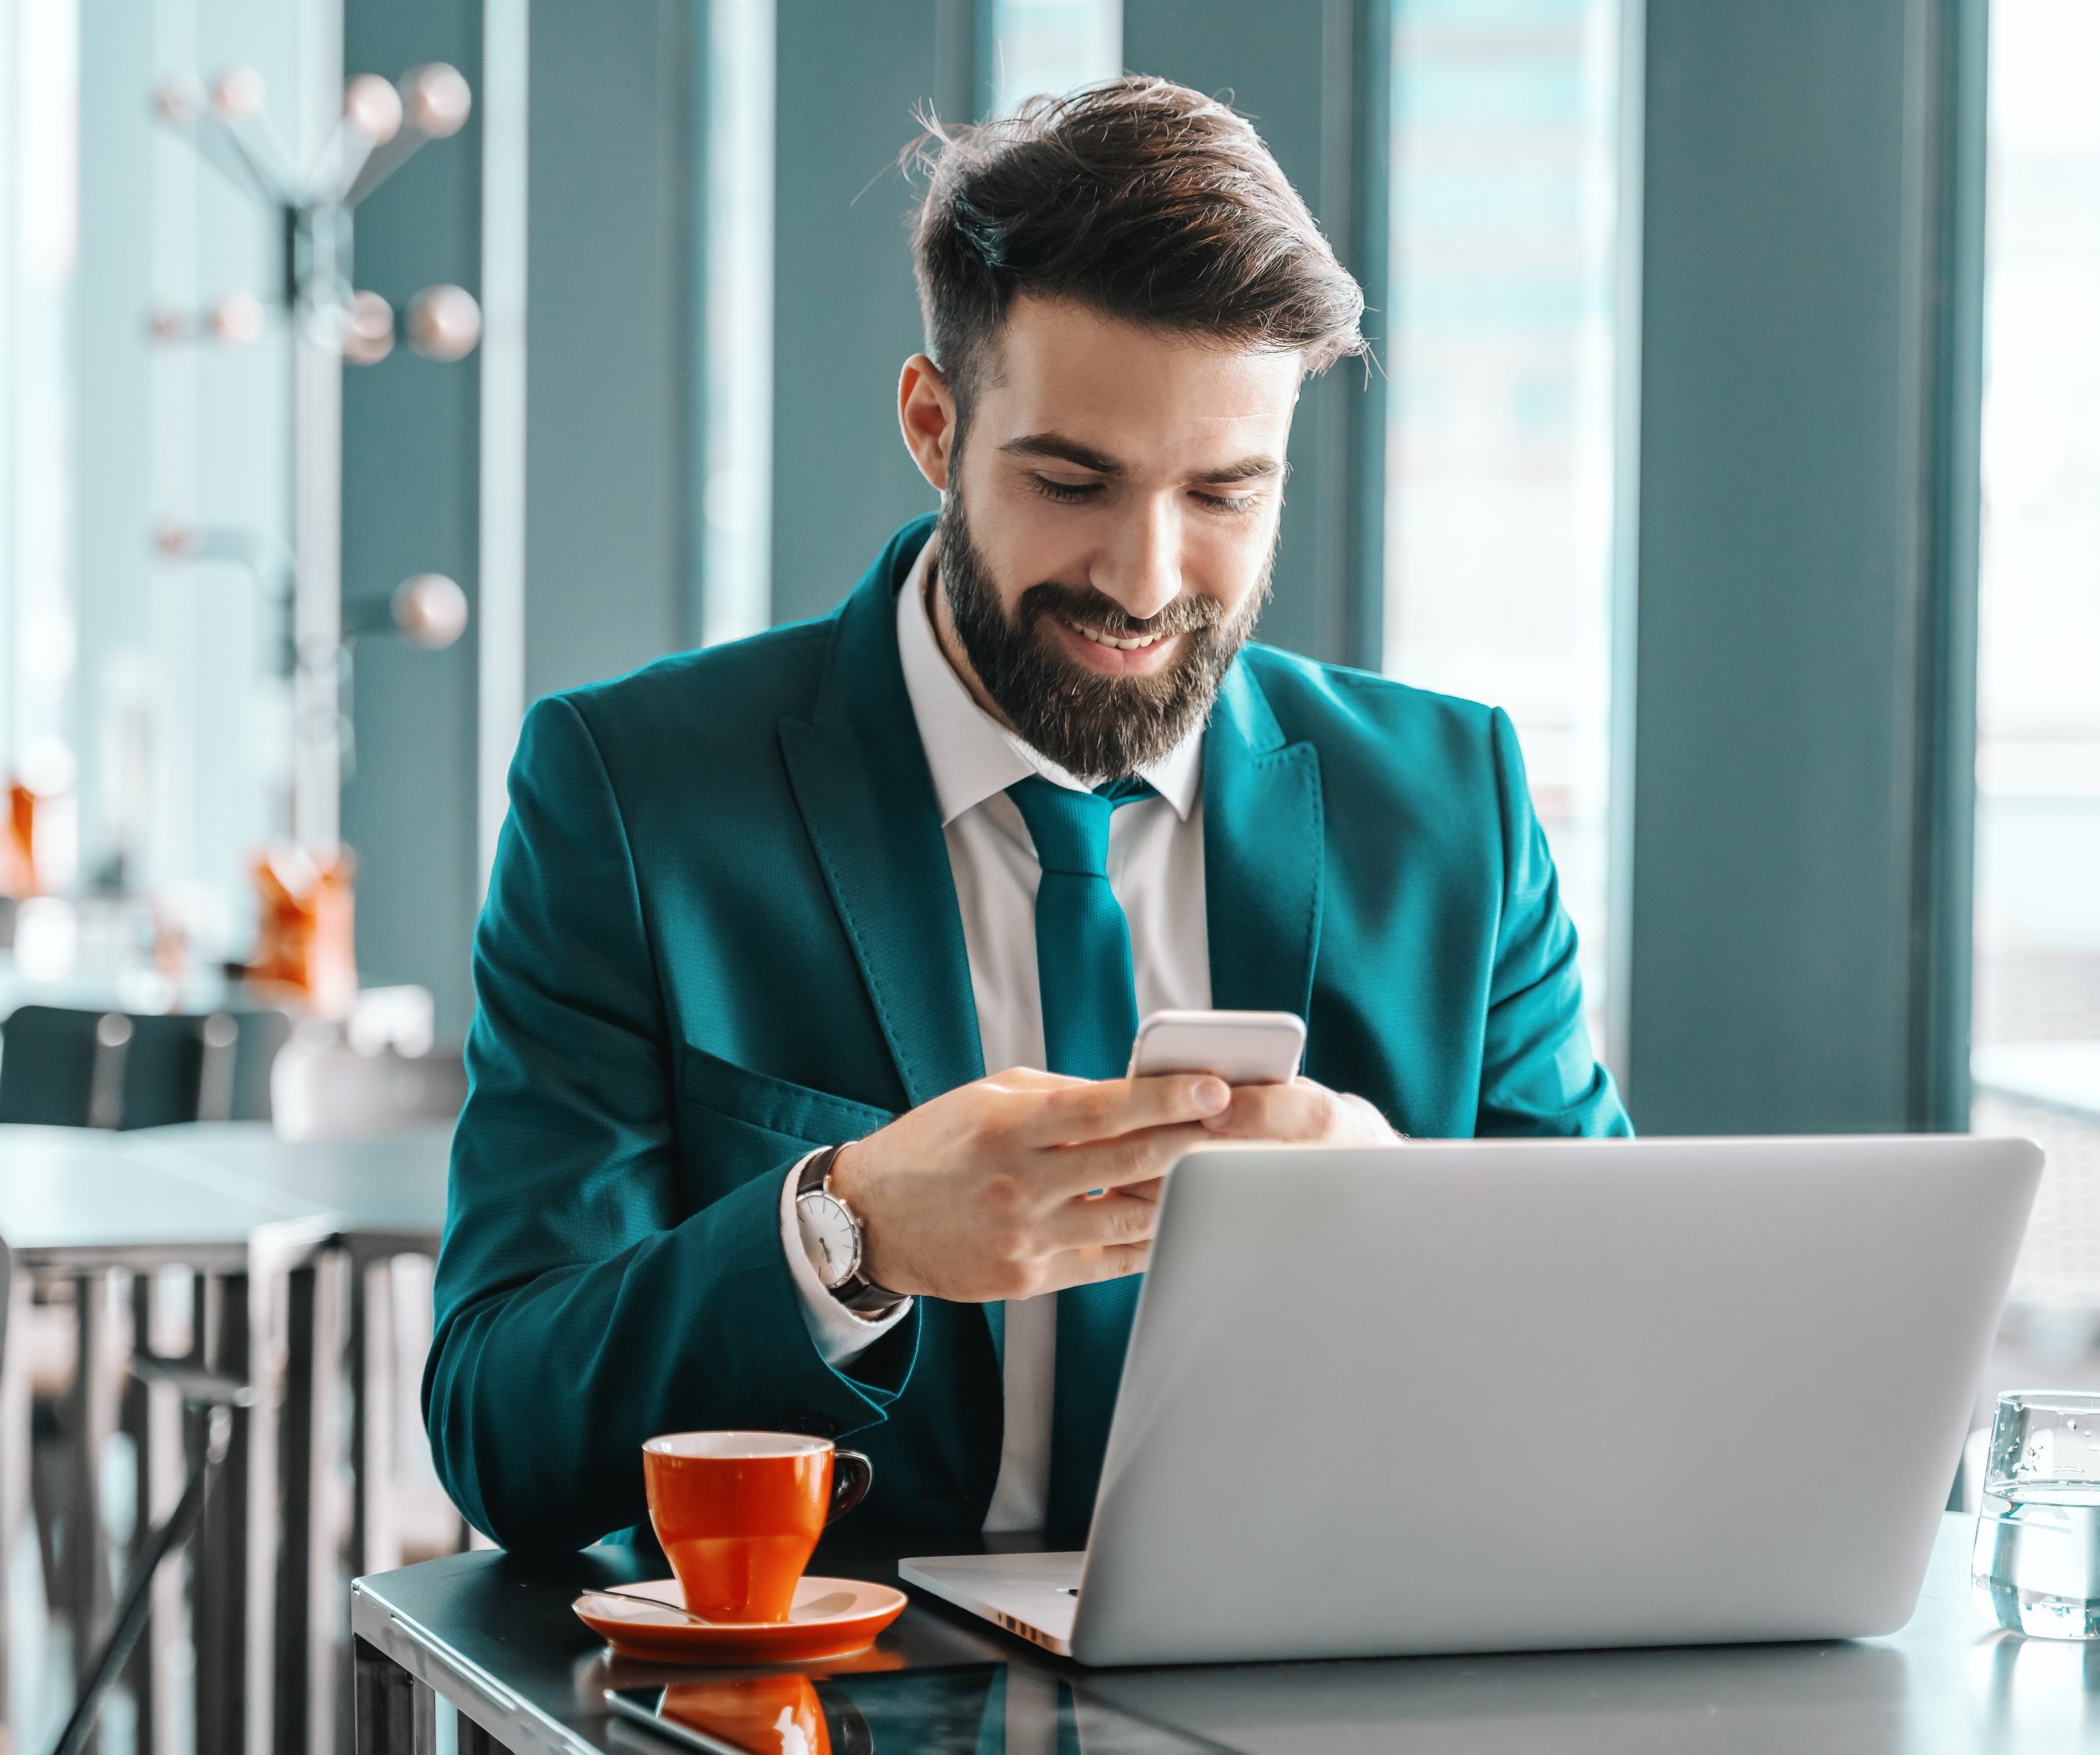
x=1099 y=639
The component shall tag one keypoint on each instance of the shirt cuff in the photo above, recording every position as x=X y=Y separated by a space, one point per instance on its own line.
x=840 y=1336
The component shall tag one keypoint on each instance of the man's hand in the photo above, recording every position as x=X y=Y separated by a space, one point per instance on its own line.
x=987 y=1191
x=1300 y=1113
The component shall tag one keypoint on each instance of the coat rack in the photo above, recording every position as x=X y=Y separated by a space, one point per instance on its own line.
x=329 y=321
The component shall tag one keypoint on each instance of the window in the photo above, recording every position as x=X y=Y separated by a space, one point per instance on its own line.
x=39 y=254
x=2036 y=1021
x=1499 y=350
x=142 y=504
x=1052 y=46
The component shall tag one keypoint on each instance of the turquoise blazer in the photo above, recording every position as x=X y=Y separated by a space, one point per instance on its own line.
x=721 y=931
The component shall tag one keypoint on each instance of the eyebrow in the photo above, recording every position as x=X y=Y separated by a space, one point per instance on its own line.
x=1063 y=450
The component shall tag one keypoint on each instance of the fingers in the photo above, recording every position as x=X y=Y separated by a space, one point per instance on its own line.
x=1142 y=1157
x=1020 y=1079
x=1300 y=1111
x=1113 y=1218
x=1083 y=1267
x=1107 y=1108
x=1364 y=1123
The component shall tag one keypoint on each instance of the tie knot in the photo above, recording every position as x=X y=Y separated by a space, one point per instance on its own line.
x=1070 y=829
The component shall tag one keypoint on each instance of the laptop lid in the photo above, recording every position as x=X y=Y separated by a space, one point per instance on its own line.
x=1489 y=1396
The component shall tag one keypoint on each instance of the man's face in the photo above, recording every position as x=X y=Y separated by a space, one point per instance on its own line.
x=1107 y=527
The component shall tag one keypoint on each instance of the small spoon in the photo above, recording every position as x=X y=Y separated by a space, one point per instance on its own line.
x=653 y=1603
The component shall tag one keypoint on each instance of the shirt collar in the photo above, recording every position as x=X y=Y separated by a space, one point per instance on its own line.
x=972 y=755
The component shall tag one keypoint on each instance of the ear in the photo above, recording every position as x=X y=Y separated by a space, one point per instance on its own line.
x=926 y=411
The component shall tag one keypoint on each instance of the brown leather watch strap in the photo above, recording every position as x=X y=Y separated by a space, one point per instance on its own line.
x=815 y=1172
x=856 y=1292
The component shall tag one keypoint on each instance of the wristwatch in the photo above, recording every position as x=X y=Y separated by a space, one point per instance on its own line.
x=831 y=1236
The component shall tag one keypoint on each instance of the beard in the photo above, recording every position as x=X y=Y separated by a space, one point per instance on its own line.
x=1096 y=727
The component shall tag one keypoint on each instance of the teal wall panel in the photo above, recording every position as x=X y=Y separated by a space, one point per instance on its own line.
x=1943 y=845
x=611 y=187
x=845 y=312
x=609 y=332
x=1798 y=160
x=410 y=446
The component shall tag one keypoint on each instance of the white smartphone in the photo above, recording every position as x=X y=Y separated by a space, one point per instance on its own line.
x=1240 y=1047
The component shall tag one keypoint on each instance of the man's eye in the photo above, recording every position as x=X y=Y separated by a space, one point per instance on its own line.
x=1066 y=493
x=1229 y=502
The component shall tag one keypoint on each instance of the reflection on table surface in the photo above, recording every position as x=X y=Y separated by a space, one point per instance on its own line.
x=1850 y=1696
x=968 y=1708
x=1839 y=1695
x=1844 y=1695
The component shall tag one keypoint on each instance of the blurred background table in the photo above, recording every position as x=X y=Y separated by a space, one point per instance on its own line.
x=312 y=1261
x=360 y=1325
x=387 y=1191
x=384 y=1189
x=78 y=1208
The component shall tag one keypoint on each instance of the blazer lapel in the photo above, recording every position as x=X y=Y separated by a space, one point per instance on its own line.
x=1263 y=860
x=866 y=797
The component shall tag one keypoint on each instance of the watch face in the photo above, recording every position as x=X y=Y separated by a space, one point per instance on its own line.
x=831 y=1237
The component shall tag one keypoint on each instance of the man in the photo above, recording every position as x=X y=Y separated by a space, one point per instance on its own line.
x=1026 y=784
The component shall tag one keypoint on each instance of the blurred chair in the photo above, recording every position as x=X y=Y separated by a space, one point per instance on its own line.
x=320 y=1088
x=240 y=1048
x=213 y=1397
x=47 y=1065
x=64 y=1066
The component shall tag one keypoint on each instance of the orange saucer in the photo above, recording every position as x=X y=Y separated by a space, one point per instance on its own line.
x=830 y=1617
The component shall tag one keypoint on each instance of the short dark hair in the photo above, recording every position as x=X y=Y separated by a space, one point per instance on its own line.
x=1141 y=199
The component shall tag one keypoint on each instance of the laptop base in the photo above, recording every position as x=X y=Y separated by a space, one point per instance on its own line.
x=1035 y=1596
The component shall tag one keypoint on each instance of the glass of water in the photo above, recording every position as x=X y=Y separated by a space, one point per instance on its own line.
x=2036 y=1564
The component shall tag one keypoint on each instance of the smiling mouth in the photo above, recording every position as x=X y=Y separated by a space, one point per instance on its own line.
x=1122 y=642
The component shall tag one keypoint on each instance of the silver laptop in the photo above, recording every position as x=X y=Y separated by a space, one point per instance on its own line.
x=1489 y=1396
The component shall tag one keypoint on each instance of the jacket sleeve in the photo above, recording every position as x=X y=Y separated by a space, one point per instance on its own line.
x=1538 y=1073
x=578 y=1312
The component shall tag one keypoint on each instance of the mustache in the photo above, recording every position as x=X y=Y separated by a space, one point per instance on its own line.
x=1188 y=613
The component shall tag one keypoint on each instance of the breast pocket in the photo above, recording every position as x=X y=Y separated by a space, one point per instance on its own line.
x=737 y=1124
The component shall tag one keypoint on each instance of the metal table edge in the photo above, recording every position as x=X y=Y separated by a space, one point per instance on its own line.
x=77 y=1258
x=515 y=1723
x=270 y=1245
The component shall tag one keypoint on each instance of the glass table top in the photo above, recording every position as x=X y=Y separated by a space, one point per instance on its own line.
x=941 y=1680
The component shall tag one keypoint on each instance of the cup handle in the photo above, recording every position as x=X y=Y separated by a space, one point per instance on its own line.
x=852 y=1475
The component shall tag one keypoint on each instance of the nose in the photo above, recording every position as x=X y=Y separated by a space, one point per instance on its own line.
x=1142 y=568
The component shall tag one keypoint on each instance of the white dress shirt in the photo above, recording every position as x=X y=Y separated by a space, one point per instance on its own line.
x=1156 y=870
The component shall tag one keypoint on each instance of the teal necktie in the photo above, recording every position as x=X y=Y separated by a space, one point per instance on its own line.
x=1089 y=1022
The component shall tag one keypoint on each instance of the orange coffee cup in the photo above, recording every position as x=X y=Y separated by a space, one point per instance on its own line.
x=739 y=1514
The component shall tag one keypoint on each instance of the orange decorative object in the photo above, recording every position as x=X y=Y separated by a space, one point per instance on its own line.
x=304 y=933
x=17 y=847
